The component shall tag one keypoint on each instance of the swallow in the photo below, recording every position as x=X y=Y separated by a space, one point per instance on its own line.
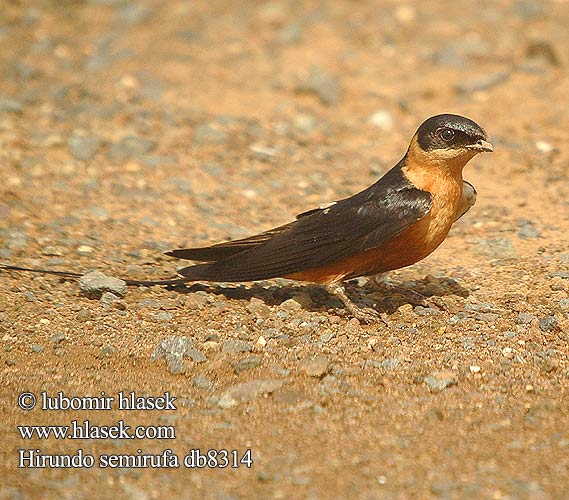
x=396 y=222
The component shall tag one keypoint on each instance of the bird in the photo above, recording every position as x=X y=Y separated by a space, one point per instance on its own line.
x=394 y=223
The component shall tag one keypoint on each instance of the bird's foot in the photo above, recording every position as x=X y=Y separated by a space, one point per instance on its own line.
x=364 y=315
x=417 y=299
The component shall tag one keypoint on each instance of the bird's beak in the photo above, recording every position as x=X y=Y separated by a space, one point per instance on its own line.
x=481 y=146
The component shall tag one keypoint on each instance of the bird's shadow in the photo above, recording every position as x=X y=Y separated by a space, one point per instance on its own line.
x=384 y=299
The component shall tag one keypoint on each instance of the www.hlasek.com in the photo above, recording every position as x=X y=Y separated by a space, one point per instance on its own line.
x=193 y=458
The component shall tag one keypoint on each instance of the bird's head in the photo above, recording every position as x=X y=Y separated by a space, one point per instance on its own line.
x=449 y=139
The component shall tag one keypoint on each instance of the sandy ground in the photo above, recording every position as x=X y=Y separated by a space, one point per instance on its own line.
x=127 y=129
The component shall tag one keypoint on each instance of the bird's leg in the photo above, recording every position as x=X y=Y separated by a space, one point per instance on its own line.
x=381 y=281
x=366 y=315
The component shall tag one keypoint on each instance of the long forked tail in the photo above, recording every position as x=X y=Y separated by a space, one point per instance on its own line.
x=76 y=276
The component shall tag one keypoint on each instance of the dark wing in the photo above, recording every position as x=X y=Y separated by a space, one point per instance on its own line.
x=221 y=251
x=350 y=226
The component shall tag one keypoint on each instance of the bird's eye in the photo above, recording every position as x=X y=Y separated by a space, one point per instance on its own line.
x=447 y=134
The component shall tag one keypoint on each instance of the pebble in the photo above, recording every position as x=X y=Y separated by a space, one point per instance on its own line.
x=108 y=299
x=322 y=83
x=208 y=134
x=382 y=119
x=163 y=316
x=83 y=148
x=290 y=34
x=487 y=317
x=315 y=367
x=564 y=304
x=248 y=391
x=390 y=363
x=291 y=305
x=439 y=380
x=130 y=147
x=481 y=83
x=202 y=382
x=131 y=14
x=10 y=105
x=258 y=307
x=173 y=350
x=547 y=324
x=528 y=10
x=327 y=337
x=36 y=348
x=426 y=311
x=528 y=231
x=525 y=318
x=234 y=346
x=247 y=363
x=196 y=355
x=95 y=283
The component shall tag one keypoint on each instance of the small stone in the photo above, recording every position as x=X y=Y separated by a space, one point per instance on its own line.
x=426 y=311
x=322 y=83
x=85 y=250
x=527 y=230
x=83 y=148
x=390 y=363
x=544 y=147
x=261 y=341
x=258 y=307
x=248 y=391
x=547 y=324
x=439 y=380
x=564 y=304
x=108 y=299
x=10 y=105
x=327 y=337
x=95 y=283
x=202 y=382
x=525 y=318
x=382 y=119
x=36 y=348
x=475 y=369
x=482 y=83
x=195 y=355
x=175 y=363
x=130 y=147
x=291 y=305
x=290 y=34
x=163 y=316
x=173 y=349
x=487 y=317
x=247 y=363
x=315 y=367
x=131 y=14
x=56 y=338
x=234 y=346
x=208 y=134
